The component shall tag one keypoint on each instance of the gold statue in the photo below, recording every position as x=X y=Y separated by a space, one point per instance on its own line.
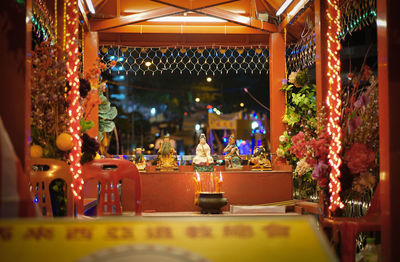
x=139 y=160
x=260 y=160
x=166 y=156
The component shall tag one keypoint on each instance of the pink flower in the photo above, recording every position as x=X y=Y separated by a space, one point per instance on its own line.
x=299 y=145
x=363 y=100
x=359 y=158
x=319 y=170
x=354 y=123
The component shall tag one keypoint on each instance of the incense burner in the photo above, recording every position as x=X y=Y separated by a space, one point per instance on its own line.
x=211 y=202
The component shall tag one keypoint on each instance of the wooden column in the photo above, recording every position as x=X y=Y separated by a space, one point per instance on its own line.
x=60 y=23
x=91 y=50
x=15 y=68
x=388 y=24
x=277 y=97
x=321 y=59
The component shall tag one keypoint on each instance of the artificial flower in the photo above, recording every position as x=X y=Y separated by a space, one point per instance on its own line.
x=283 y=138
x=359 y=158
x=292 y=77
x=363 y=100
x=353 y=124
x=319 y=170
x=280 y=152
x=363 y=182
x=302 y=168
x=102 y=66
x=299 y=145
x=113 y=63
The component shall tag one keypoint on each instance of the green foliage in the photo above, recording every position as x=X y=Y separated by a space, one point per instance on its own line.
x=107 y=113
x=301 y=103
x=301 y=113
x=86 y=125
x=58 y=190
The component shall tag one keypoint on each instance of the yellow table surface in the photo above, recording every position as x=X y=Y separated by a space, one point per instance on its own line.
x=203 y=239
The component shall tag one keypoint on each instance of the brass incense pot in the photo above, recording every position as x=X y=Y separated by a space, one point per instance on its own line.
x=208 y=194
x=211 y=202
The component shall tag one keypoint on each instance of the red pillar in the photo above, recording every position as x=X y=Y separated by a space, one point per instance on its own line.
x=91 y=51
x=388 y=23
x=15 y=69
x=277 y=97
x=321 y=59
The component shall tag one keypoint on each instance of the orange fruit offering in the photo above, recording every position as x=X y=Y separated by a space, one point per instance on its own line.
x=36 y=151
x=64 y=142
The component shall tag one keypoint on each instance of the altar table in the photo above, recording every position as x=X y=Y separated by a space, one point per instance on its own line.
x=174 y=191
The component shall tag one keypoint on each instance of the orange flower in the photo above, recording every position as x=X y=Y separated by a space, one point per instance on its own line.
x=102 y=66
x=113 y=63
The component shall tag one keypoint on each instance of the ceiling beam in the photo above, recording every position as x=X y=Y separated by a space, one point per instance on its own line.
x=185 y=29
x=238 y=19
x=217 y=3
x=230 y=16
x=84 y=16
x=106 y=24
x=186 y=40
x=288 y=19
x=172 y=9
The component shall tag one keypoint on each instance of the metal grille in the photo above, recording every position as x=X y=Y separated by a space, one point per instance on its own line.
x=302 y=54
x=209 y=61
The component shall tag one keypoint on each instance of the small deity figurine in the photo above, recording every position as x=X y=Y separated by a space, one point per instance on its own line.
x=139 y=159
x=232 y=157
x=203 y=161
x=260 y=159
x=167 y=156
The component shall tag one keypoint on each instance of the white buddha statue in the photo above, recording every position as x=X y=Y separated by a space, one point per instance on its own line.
x=203 y=153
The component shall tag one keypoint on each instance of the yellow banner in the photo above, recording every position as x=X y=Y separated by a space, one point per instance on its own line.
x=166 y=240
x=226 y=121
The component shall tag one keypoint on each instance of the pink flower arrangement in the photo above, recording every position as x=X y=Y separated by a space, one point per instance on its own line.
x=299 y=145
x=359 y=158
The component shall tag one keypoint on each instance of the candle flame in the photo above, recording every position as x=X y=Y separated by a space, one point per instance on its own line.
x=220 y=176
x=198 y=176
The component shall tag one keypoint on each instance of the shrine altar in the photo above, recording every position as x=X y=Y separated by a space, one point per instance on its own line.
x=174 y=191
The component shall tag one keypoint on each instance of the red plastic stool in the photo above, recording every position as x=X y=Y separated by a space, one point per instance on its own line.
x=43 y=172
x=109 y=172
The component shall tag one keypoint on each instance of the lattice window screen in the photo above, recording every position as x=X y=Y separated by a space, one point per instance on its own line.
x=193 y=60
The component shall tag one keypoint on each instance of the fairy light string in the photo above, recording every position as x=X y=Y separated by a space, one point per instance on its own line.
x=64 y=24
x=55 y=20
x=74 y=110
x=286 y=76
x=334 y=103
x=83 y=49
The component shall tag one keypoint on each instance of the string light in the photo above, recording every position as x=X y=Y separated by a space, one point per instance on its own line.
x=74 y=110
x=83 y=49
x=64 y=25
x=334 y=103
x=55 y=19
